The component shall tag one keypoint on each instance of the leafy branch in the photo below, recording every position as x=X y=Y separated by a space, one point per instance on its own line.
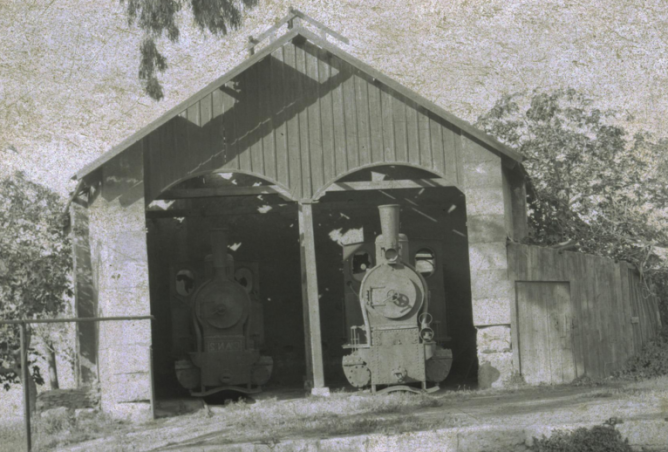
x=158 y=19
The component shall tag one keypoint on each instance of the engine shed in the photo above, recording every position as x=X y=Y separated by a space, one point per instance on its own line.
x=291 y=152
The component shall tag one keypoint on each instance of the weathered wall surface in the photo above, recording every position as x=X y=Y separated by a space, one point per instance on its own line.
x=489 y=222
x=120 y=264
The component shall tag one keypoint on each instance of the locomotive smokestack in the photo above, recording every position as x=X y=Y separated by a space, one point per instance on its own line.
x=389 y=224
x=219 y=245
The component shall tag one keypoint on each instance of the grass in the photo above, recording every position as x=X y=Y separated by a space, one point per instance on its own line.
x=12 y=434
x=272 y=420
x=55 y=431
x=340 y=414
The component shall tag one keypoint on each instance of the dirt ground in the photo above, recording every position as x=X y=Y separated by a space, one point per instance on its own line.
x=271 y=419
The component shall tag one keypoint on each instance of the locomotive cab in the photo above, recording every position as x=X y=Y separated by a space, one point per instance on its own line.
x=396 y=344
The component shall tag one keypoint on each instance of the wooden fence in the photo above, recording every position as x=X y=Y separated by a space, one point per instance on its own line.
x=577 y=314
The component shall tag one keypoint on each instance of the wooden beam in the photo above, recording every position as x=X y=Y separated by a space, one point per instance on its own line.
x=390 y=184
x=311 y=302
x=185 y=193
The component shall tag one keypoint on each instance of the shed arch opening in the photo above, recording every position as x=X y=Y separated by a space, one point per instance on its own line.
x=263 y=240
x=433 y=218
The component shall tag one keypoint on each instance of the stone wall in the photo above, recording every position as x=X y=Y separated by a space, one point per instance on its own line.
x=489 y=222
x=120 y=267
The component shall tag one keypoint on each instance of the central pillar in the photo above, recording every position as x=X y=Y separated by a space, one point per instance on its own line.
x=315 y=375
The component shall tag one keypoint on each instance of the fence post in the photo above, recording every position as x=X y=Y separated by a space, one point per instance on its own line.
x=25 y=375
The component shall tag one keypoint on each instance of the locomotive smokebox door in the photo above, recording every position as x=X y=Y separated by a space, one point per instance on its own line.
x=227 y=328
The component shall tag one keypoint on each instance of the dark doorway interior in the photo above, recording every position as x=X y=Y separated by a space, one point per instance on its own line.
x=263 y=235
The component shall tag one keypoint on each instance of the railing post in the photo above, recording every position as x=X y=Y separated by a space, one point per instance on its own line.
x=152 y=377
x=25 y=375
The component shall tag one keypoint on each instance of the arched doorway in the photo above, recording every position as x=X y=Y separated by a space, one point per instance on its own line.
x=346 y=223
x=263 y=238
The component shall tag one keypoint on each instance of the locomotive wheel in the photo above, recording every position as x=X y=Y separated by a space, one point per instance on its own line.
x=438 y=366
x=356 y=370
x=262 y=369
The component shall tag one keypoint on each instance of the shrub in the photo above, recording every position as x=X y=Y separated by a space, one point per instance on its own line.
x=600 y=438
x=652 y=361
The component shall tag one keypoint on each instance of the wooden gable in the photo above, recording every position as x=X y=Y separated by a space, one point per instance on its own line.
x=301 y=118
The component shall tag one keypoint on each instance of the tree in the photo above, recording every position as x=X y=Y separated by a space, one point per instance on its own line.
x=594 y=186
x=158 y=18
x=35 y=267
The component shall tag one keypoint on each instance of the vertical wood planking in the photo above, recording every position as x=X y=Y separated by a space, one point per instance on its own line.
x=180 y=140
x=194 y=138
x=414 y=151
x=624 y=313
x=266 y=113
x=232 y=114
x=595 y=306
x=388 y=126
x=424 y=136
x=400 y=138
x=363 y=128
x=302 y=107
x=219 y=133
x=459 y=158
x=438 y=162
x=242 y=118
x=313 y=96
x=326 y=116
x=350 y=118
x=375 y=123
x=254 y=125
x=571 y=261
x=206 y=151
x=340 y=156
x=280 y=118
x=292 y=94
x=449 y=153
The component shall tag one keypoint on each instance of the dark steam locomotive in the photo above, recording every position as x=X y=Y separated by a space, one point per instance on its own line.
x=396 y=345
x=226 y=324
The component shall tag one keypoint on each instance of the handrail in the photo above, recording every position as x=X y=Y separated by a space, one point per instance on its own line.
x=24 y=359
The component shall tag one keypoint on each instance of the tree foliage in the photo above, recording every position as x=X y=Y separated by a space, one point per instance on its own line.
x=35 y=262
x=158 y=19
x=594 y=185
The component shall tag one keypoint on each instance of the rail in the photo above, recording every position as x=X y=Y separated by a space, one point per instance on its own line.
x=24 y=359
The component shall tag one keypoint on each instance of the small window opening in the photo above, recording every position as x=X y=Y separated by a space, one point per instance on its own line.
x=425 y=262
x=360 y=264
x=185 y=282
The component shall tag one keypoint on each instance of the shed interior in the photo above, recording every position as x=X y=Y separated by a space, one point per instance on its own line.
x=263 y=232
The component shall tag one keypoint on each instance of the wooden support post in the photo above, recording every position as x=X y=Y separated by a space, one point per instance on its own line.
x=310 y=301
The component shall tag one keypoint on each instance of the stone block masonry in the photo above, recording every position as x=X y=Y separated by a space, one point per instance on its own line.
x=119 y=252
x=492 y=292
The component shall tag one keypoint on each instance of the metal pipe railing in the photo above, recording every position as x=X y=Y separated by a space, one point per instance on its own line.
x=25 y=375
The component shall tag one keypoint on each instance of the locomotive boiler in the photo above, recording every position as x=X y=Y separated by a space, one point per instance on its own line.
x=395 y=346
x=225 y=331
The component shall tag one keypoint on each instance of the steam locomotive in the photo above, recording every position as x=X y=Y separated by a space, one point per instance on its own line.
x=396 y=345
x=226 y=324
